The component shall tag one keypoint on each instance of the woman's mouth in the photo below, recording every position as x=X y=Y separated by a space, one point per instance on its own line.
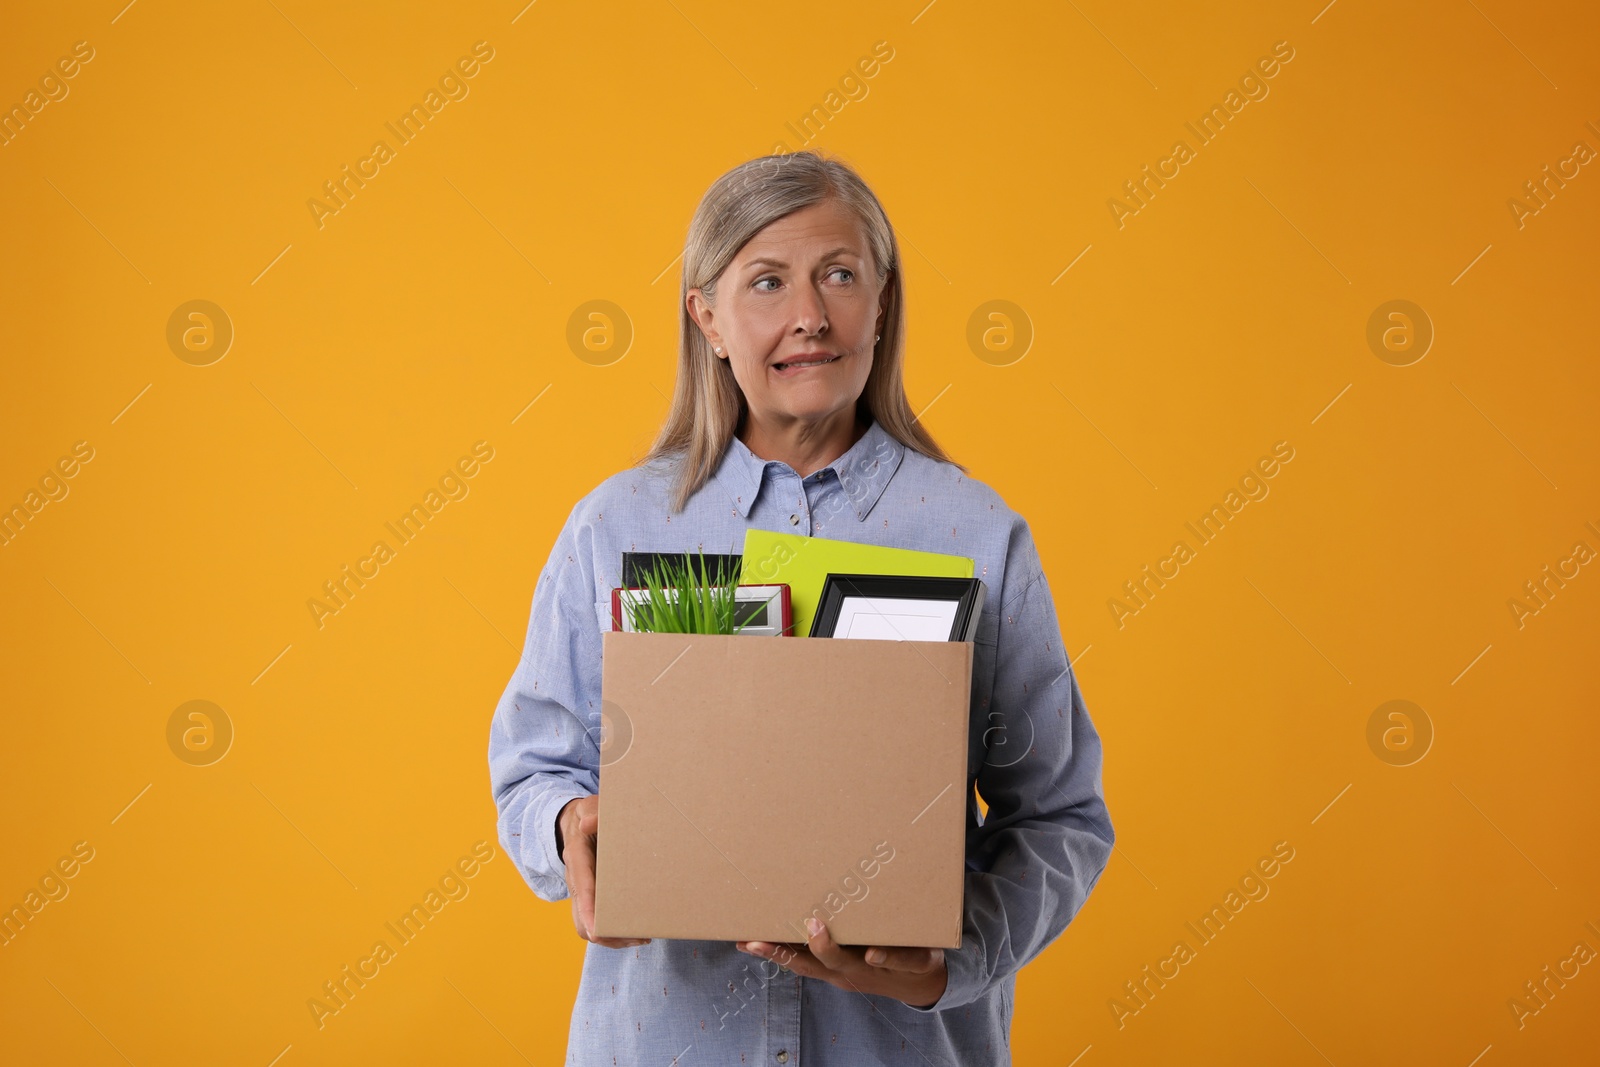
x=794 y=367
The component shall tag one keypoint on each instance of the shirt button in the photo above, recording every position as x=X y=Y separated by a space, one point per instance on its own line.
x=783 y=1056
x=794 y=520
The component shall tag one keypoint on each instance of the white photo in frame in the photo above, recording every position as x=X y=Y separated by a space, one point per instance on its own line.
x=882 y=618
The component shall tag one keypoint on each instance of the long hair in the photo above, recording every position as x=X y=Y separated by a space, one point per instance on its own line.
x=707 y=403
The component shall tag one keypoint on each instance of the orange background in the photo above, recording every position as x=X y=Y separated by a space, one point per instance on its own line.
x=1228 y=314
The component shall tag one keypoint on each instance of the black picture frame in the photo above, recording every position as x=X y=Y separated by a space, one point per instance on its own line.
x=723 y=566
x=967 y=595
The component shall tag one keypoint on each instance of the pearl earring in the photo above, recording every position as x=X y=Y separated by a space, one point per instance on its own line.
x=878 y=338
x=718 y=351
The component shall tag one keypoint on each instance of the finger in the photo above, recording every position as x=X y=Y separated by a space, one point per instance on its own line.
x=620 y=942
x=580 y=874
x=796 y=958
x=765 y=948
x=823 y=948
x=908 y=960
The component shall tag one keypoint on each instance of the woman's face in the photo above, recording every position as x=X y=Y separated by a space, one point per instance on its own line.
x=802 y=289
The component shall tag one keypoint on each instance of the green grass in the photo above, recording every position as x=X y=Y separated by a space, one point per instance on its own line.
x=677 y=602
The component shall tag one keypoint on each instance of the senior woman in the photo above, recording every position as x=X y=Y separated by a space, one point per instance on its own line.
x=790 y=414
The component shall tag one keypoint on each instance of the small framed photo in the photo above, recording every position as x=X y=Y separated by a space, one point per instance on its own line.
x=887 y=607
x=758 y=610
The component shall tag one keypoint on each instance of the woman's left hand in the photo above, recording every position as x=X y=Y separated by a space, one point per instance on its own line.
x=915 y=976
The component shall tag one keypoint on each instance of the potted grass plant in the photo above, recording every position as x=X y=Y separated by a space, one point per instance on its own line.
x=678 y=600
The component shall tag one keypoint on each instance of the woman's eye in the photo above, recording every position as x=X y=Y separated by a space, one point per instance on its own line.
x=849 y=276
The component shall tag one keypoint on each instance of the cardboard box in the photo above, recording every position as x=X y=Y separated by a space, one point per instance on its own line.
x=747 y=783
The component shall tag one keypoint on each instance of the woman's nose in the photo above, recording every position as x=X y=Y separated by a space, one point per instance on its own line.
x=811 y=314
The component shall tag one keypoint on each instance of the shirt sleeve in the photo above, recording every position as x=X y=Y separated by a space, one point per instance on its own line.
x=544 y=738
x=1047 y=835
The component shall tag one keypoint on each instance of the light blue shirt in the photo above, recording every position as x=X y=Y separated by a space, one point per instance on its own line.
x=1033 y=753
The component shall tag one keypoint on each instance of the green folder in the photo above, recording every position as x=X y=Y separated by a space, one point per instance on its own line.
x=804 y=563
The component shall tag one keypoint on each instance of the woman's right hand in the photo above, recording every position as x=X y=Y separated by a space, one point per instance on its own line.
x=577 y=828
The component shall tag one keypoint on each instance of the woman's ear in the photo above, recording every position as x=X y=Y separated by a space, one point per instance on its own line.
x=703 y=315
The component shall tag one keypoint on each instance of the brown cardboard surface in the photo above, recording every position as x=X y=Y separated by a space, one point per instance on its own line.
x=747 y=783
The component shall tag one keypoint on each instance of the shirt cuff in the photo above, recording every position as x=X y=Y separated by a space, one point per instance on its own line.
x=962 y=982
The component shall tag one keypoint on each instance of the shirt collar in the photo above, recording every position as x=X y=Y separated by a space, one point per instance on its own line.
x=863 y=472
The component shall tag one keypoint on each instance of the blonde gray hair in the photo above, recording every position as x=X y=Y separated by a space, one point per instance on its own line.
x=707 y=403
